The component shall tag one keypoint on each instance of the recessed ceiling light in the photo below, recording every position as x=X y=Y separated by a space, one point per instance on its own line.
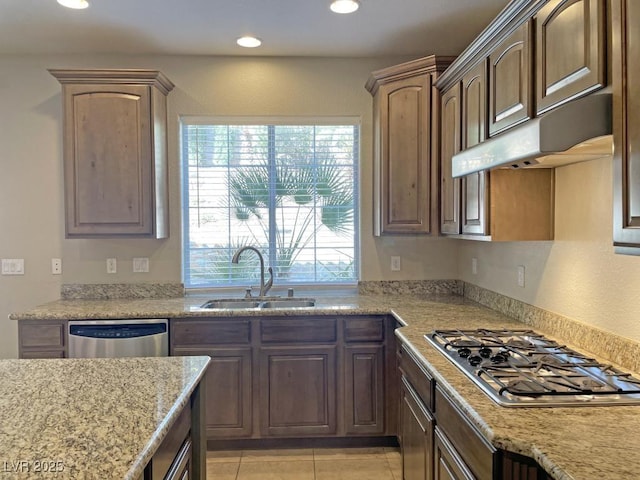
x=77 y=4
x=344 y=6
x=249 y=42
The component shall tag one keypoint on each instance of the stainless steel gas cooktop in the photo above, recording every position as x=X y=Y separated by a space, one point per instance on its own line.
x=521 y=368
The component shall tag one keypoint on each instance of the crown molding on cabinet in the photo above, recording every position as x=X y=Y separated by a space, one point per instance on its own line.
x=509 y=19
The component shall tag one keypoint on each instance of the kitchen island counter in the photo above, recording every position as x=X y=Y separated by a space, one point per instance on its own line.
x=90 y=418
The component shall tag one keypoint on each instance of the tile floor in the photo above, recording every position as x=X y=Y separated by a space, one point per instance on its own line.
x=305 y=464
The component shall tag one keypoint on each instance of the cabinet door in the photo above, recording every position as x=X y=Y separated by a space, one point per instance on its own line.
x=416 y=429
x=405 y=159
x=229 y=393
x=449 y=146
x=298 y=391
x=626 y=126
x=448 y=464
x=108 y=176
x=364 y=389
x=474 y=114
x=570 y=51
x=510 y=82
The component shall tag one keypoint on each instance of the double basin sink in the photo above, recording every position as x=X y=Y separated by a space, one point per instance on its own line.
x=239 y=303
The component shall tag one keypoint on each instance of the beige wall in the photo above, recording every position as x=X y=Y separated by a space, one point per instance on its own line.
x=577 y=275
x=31 y=201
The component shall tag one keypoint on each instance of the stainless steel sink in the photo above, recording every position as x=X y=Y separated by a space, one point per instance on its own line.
x=231 y=303
x=290 y=303
x=239 y=303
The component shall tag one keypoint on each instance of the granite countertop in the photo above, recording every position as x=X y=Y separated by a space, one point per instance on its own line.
x=568 y=442
x=585 y=443
x=89 y=418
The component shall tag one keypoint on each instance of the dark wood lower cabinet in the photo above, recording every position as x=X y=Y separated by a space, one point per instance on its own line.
x=448 y=463
x=229 y=392
x=437 y=440
x=275 y=378
x=364 y=389
x=42 y=338
x=229 y=381
x=416 y=425
x=518 y=467
x=298 y=391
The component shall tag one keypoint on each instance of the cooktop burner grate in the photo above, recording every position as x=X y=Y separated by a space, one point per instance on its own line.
x=524 y=368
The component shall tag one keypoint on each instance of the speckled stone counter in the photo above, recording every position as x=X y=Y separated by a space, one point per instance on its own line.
x=89 y=419
x=580 y=443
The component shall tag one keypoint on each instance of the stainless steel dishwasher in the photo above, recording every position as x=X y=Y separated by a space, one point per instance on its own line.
x=118 y=338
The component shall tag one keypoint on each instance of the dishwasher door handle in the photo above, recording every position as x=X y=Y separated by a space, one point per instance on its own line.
x=124 y=330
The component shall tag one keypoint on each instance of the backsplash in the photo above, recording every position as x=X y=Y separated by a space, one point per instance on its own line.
x=411 y=287
x=614 y=348
x=106 y=291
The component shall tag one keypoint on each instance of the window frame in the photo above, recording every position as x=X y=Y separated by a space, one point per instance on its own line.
x=340 y=120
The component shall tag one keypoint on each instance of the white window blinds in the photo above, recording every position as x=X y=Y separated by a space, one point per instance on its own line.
x=288 y=190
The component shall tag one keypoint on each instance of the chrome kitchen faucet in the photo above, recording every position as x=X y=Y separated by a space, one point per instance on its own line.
x=264 y=288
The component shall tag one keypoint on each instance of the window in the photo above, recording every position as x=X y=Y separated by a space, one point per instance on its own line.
x=288 y=190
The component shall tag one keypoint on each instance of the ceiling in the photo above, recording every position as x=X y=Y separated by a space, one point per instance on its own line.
x=210 y=27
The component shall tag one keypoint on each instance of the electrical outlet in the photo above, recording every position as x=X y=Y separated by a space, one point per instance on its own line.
x=13 y=266
x=395 y=264
x=112 y=265
x=521 y=275
x=474 y=266
x=141 y=265
x=56 y=266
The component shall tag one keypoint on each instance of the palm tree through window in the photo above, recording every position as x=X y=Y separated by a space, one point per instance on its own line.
x=288 y=190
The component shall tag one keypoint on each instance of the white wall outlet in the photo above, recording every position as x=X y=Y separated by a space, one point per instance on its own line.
x=141 y=265
x=474 y=266
x=56 y=266
x=112 y=265
x=13 y=266
x=521 y=275
x=395 y=264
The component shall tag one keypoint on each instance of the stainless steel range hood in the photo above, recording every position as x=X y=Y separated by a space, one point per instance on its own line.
x=579 y=130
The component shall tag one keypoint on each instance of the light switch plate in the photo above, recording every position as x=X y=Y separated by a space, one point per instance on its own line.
x=13 y=266
x=141 y=265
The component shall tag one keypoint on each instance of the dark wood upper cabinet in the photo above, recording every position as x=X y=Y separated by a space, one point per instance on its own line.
x=474 y=131
x=570 y=51
x=510 y=82
x=449 y=146
x=115 y=152
x=405 y=146
x=626 y=125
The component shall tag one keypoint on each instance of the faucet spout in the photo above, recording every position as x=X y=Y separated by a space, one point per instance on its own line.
x=264 y=288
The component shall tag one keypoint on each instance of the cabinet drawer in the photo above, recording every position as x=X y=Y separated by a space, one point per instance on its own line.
x=418 y=378
x=210 y=332
x=477 y=453
x=42 y=354
x=448 y=463
x=364 y=330
x=41 y=334
x=312 y=330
